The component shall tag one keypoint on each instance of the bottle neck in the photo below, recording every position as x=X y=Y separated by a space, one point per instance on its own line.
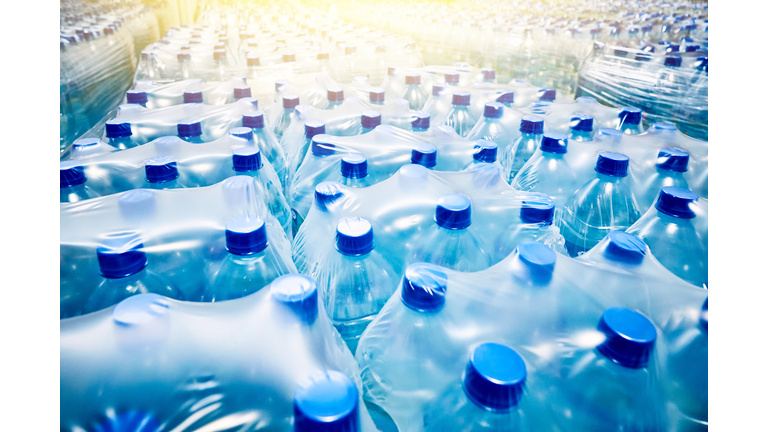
x=581 y=135
x=460 y=108
x=248 y=259
x=669 y=173
x=608 y=178
x=193 y=139
x=530 y=136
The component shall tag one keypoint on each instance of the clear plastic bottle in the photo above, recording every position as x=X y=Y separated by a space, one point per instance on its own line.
x=582 y=127
x=311 y=128
x=302 y=192
x=119 y=134
x=393 y=83
x=358 y=280
x=290 y=102
x=491 y=128
x=602 y=205
x=250 y=266
x=354 y=171
x=489 y=397
x=485 y=152
x=221 y=66
x=460 y=118
x=450 y=243
x=326 y=401
x=631 y=121
x=72 y=183
x=161 y=173
x=335 y=98
x=506 y=98
x=517 y=154
x=267 y=143
x=536 y=217
x=123 y=265
x=247 y=161
x=137 y=97
x=548 y=171
x=253 y=63
x=413 y=93
x=190 y=131
x=424 y=154
x=671 y=163
x=369 y=120
x=184 y=67
x=376 y=96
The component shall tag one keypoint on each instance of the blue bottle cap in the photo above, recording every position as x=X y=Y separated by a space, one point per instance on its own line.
x=664 y=126
x=538 y=262
x=437 y=89
x=629 y=115
x=532 y=124
x=506 y=97
x=547 y=94
x=553 y=142
x=299 y=293
x=253 y=120
x=245 y=235
x=70 y=174
x=288 y=58
x=242 y=132
x=136 y=97
x=246 y=159
x=354 y=236
x=701 y=63
x=493 y=110
x=424 y=154
x=376 y=95
x=118 y=128
x=354 y=165
x=327 y=193
x=290 y=101
x=612 y=164
x=673 y=61
x=335 y=94
x=454 y=211
x=189 y=128
x=420 y=120
x=424 y=287
x=130 y=421
x=649 y=49
x=630 y=337
x=675 y=201
x=313 y=127
x=625 y=248
x=451 y=78
x=121 y=255
x=673 y=48
x=161 y=169
x=488 y=73
x=370 y=119
x=326 y=402
x=673 y=159
x=704 y=317
x=692 y=48
x=412 y=79
x=242 y=92
x=537 y=208
x=581 y=122
x=495 y=377
x=322 y=145
x=485 y=151
x=193 y=97
x=461 y=98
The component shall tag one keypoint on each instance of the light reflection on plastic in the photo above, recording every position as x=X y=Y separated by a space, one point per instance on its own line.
x=175 y=246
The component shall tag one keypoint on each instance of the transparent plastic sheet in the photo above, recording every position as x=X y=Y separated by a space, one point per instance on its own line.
x=182 y=232
x=409 y=357
x=174 y=365
x=165 y=95
x=144 y=29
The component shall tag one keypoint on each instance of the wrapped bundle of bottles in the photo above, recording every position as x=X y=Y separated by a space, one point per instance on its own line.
x=434 y=248
x=98 y=45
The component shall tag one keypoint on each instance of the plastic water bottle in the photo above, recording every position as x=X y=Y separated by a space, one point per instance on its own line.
x=369 y=120
x=137 y=97
x=485 y=152
x=420 y=121
x=491 y=128
x=241 y=92
x=85 y=148
x=670 y=231
x=267 y=143
x=582 y=126
x=376 y=96
x=450 y=243
x=311 y=128
x=184 y=67
x=489 y=75
x=413 y=93
x=247 y=161
x=221 y=68
x=190 y=131
x=424 y=154
x=613 y=385
x=123 y=265
x=290 y=102
x=602 y=205
x=536 y=216
x=354 y=171
x=161 y=173
x=631 y=121
x=451 y=78
x=250 y=266
x=253 y=63
x=119 y=134
x=506 y=98
x=671 y=163
x=548 y=171
x=327 y=401
x=328 y=195
x=490 y=396
x=517 y=154
x=358 y=280
x=460 y=118
x=192 y=97
x=335 y=98
x=72 y=183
